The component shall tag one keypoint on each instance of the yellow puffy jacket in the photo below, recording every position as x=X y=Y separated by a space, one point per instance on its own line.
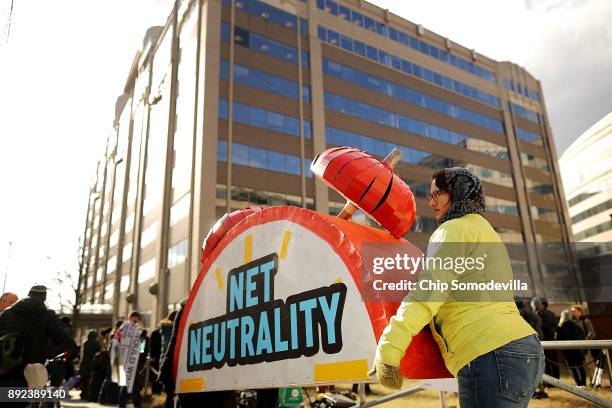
x=472 y=326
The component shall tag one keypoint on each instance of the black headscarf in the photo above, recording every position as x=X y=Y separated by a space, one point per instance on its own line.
x=466 y=191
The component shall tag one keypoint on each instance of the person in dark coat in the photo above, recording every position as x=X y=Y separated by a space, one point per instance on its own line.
x=569 y=330
x=107 y=389
x=218 y=399
x=165 y=368
x=578 y=316
x=37 y=325
x=60 y=370
x=69 y=372
x=549 y=330
x=530 y=316
x=159 y=342
x=100 y=370
x=165 y=330
x=90 y=348
x=155 y=353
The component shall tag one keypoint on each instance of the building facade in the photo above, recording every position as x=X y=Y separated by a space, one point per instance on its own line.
x=588 y=188
x=226 y=105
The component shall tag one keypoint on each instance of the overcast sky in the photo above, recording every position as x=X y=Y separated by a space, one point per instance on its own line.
x=566 y=44
x=66 y=62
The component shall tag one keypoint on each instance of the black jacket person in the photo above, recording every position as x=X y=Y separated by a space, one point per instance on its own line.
x=36 y=324
x=90 y=348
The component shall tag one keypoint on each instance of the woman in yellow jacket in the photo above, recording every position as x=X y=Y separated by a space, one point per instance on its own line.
x=495 y=355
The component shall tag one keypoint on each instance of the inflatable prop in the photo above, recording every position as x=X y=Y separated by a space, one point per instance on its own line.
x=369 y=185
x=279 y=297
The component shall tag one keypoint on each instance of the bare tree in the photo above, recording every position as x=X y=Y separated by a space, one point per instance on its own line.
x=67 y=293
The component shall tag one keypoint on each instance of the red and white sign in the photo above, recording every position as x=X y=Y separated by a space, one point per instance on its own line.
x=278 y=302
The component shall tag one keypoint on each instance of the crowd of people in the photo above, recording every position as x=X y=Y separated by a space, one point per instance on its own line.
x=572 y=324
x=30 y=333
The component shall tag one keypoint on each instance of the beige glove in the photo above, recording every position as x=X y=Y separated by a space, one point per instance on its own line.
x=387 y=375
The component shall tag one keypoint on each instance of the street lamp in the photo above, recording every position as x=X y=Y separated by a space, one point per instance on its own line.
x=8 y=260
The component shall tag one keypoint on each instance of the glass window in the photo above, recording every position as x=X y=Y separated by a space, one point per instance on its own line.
x=241 y=113
x=307 y=164
x=417 y=70
x=384 y=58
x=322 y=33
x=423 y=47
x=146 y=271
x=276 y=161
x=344 y=12
x=222 y=150
x=333 y=37
x=242 y=37
x=292 y=164
x=180 y=209
x=360 y=48
x=339 y=138
x=353 y=140
x=307 y=129
x=433 y=77
x=369 y=24
x=393 y=34
x=396 y=62
x=177 y=253
x=372 y=53
x=347 y=43
x=434 y=52
x=223 y=108
x=276 y=120
x=224 y=69
x=225 y=29
x=331 y=7
x=258 y=158
x=148 y=235
x=368 y=112
x=367 y=144
x=380 y=148
x=270 y=47
x=240 y=154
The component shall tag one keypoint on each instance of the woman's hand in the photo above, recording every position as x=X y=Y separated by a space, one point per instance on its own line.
x=387 y=375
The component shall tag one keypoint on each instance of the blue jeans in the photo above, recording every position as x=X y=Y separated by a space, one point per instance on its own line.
x=504 y=377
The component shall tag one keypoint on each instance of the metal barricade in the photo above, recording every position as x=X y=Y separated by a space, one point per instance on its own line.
x=603 y=345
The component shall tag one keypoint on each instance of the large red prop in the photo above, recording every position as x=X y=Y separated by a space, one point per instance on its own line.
x=370 y=185
x=422 y=358
x=221 y=227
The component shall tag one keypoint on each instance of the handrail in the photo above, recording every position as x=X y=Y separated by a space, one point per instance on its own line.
x=547 y=345
x=576 y=344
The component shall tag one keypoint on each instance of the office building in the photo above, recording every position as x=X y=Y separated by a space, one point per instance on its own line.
x=586 y=169
x=225 y=106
